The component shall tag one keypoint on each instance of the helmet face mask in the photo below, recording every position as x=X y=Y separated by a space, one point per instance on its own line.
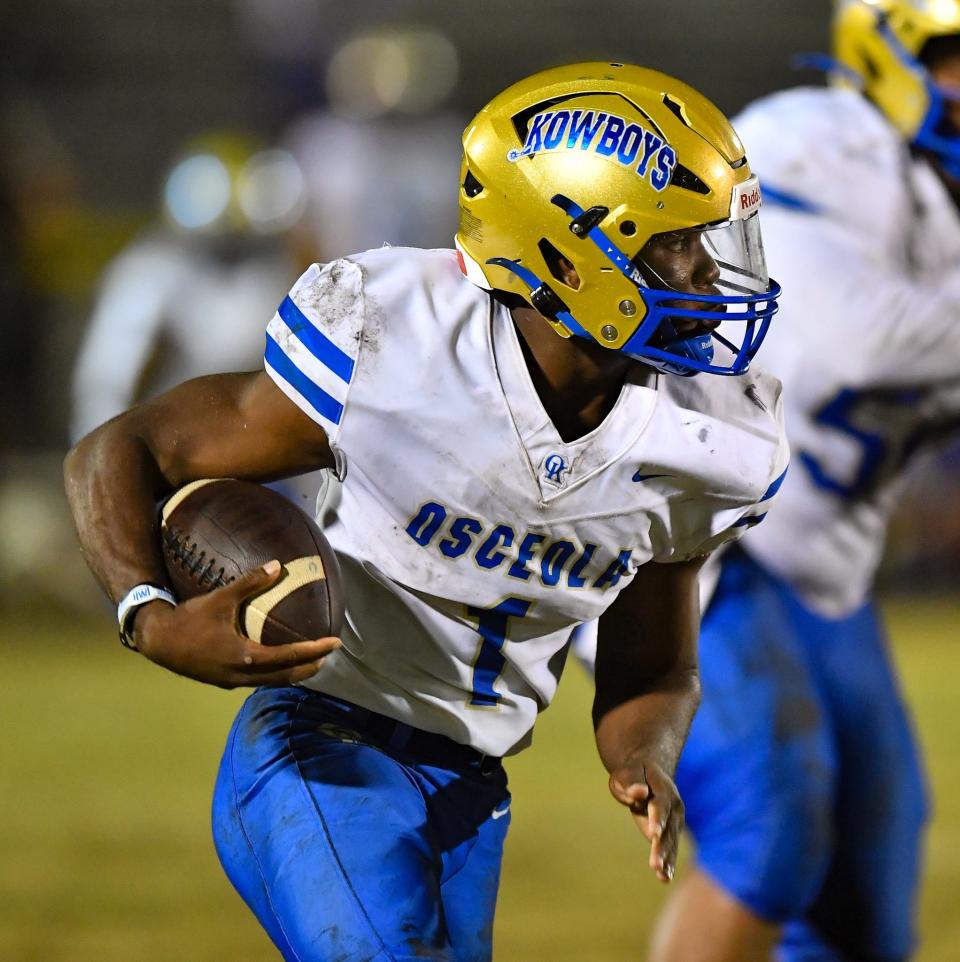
x=881 y=44
x=590 y=163
x=940 y=132
x=689 y=323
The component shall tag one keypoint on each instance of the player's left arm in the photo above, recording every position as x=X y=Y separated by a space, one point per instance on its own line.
x=647 y=691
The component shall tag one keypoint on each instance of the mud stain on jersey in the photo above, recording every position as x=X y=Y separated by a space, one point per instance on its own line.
x=374 y=320
x=750 y=392
x=286 y=338
x=334 y=295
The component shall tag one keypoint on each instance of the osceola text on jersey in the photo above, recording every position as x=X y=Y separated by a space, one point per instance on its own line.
x=524 y=554
x=606 y=134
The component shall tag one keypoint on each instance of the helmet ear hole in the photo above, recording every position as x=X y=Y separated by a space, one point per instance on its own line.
x=688 y=180
x=560 y=266
x=471 y=186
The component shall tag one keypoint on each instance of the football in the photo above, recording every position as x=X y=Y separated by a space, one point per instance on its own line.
x=213 y=531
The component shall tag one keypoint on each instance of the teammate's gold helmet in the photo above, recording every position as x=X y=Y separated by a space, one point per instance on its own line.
x=587 y=163
x=880 y=44
x=226 y=183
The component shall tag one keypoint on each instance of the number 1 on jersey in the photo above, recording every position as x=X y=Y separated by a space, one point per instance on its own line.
x=492 y=624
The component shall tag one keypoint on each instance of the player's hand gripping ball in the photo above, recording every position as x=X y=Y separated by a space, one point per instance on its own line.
x=215 y=530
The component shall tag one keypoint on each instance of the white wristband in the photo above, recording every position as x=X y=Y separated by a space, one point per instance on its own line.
x=133 y=599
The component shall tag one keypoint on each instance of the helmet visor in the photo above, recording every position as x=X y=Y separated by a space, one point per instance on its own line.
x=737 y=249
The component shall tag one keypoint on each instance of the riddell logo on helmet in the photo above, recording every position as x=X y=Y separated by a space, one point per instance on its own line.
x=605 y=134
x=749 y=201
x=746 y=199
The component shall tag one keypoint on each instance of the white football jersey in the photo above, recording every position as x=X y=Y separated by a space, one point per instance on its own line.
x=472 y=537
x=865 y=240
x=168 y=311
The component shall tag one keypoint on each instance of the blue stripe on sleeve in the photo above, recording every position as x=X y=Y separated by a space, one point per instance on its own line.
x=320 y=346
x=749 y=521
x=775 y=486
x=325 y=405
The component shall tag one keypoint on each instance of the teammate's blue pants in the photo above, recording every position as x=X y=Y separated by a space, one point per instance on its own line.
x=801 y=779
x=349 y=847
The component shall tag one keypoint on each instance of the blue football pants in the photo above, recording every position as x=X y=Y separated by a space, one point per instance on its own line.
x=352 y=851
x=801 y=777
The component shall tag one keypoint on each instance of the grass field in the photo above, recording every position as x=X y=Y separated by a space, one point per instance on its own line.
x=107 y=764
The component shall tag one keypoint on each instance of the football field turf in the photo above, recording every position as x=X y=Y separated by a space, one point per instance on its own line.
x=108 y=762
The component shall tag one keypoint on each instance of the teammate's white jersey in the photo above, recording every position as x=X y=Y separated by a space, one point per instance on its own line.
x=866 y=243
x=169 y=310
x=472 y=538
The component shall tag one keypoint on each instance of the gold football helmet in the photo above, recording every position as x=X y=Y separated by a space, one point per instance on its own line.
x=585 y=164
x=879 y=44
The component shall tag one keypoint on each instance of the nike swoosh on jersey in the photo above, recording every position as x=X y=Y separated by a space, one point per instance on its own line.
x=500 y=812
x=646 y=477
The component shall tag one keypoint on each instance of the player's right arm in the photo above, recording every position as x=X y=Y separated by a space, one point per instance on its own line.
x=231 y=425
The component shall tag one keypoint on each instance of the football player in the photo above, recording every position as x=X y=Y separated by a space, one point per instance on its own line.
x=188 y=296
x=803 y=785
x=524 y=446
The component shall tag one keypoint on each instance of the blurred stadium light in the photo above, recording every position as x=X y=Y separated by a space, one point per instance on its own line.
x=405 y=70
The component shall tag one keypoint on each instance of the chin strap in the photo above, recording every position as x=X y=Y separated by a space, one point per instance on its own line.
x=545 y=299
x=697 y=349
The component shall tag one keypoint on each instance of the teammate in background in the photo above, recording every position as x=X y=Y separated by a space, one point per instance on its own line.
x=524 y=449
x=380 y=159
x=189 y=296
x=803 y=785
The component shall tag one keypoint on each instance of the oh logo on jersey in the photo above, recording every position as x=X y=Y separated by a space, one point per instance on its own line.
x=602 y=133
x=554 y=468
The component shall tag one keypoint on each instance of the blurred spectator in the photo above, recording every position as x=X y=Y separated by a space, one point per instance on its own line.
x=193 y=294
x=381 y=161
x=925 y=532
x=38 y=207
